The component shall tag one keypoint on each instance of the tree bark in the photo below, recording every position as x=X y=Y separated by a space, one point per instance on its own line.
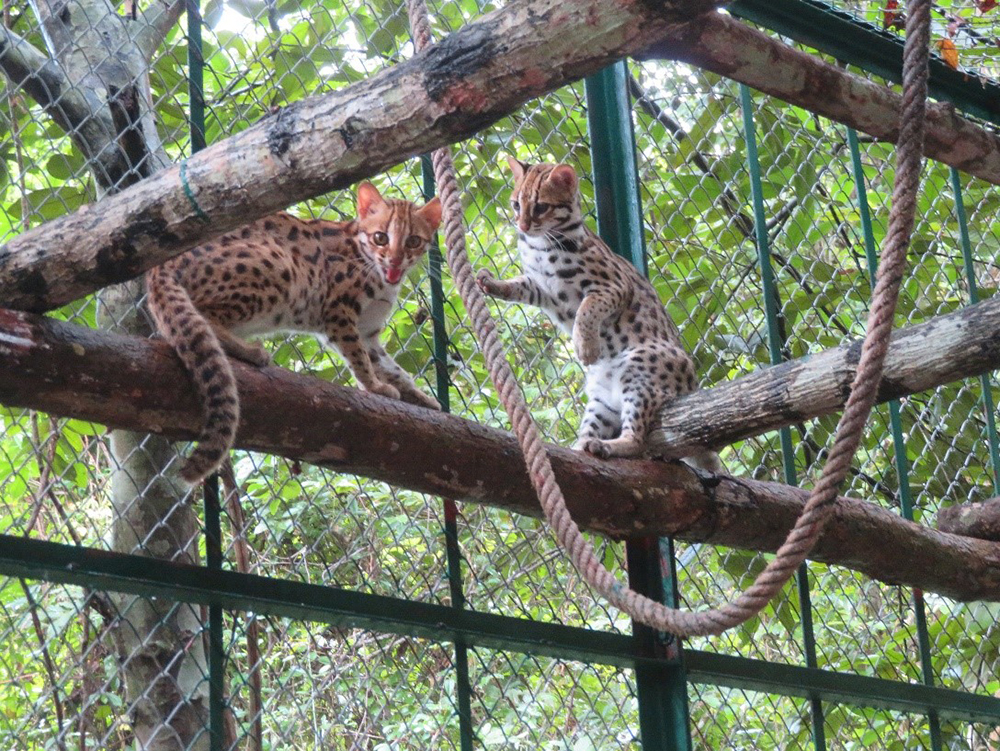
x=980 y=520
x=140 y=385
x=450 y=91
x=945 y=349
x=723 y=45
x=94 y=84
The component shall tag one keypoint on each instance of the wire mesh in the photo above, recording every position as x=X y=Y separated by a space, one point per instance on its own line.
x=74 y=661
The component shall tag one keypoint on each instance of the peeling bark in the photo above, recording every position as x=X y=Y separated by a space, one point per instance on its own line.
x=980 y=520
x=140 y=385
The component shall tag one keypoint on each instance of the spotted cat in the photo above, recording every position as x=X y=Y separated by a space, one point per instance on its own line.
x=338 y=280
x=621 y=333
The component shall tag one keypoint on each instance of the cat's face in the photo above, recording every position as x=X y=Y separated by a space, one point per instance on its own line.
x=395 y=233
x=546 y=197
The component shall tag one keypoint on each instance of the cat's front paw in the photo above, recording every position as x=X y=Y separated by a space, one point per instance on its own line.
x=257 y=356
x=486 y=282
x=384 y=389
x=593 y=446
x=587 y=348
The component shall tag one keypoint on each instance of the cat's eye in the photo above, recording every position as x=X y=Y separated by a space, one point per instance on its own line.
x=541 y=208
x=516 y=206
x=414 y=241
x=380 y=238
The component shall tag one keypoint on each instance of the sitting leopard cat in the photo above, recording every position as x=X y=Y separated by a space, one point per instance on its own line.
x=338 y=280
x=621 y=333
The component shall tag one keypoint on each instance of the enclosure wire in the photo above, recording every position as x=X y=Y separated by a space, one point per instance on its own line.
x=821 y=503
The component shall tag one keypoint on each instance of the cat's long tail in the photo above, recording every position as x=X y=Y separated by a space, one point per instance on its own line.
x=192 y=337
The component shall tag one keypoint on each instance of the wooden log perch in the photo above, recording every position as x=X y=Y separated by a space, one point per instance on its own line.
x=448 y=92
x=945 y=349
x=138 y=384
x=980 y=520
x=723 y=45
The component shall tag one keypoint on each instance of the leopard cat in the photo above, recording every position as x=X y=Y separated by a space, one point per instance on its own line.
x=337 y=280
x=622 y=335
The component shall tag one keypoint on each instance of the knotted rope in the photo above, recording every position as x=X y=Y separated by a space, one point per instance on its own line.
x=819 y=506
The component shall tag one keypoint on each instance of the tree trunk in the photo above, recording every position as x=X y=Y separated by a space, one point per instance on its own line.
x=450 y=91
x=140 y=384
x=95 y=85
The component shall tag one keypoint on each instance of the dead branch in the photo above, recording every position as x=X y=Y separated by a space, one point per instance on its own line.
x=137 y=384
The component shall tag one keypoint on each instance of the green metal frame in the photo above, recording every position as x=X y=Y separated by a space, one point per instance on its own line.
x=663 y=670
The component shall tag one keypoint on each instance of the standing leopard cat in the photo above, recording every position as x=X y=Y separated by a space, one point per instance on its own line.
x=622 y=335
x=338 y=280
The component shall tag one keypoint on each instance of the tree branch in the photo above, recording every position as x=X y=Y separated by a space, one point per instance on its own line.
x=138 y=384
x=446 y=93
x=155 y=22
x=31 y=70
x=723 y=45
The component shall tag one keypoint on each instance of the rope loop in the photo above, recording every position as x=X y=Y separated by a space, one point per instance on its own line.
x=819 y=507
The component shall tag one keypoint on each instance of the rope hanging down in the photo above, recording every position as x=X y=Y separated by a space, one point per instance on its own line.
x=819 y=506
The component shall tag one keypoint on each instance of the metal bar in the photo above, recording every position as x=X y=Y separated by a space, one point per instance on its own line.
x=213 y=526
x=662 y=692
x=149 y=577
x=970 y=275
x=776 y=349
x=463 y=683
x=216 y=647
x=898 y=439
x=853 y=41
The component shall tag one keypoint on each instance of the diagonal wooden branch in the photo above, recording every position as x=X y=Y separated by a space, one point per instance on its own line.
x=723 y=45
x=448 y=92
x=32 y=71
x=138 y=384
x=945 y=349
x=155 y=22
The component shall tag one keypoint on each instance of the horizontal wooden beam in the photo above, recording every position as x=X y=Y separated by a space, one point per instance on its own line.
x=139 y=384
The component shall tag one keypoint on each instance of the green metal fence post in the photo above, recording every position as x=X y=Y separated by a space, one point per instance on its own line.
x=898 y=440
x=970 y=276
x=662 y=691
x=775 y=345
x=454 y=553
x=213 y=511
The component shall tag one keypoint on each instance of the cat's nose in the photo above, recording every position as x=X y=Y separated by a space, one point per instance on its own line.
x=524 y=224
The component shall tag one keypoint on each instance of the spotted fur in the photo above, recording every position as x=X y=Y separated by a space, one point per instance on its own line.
x=338 y=280
x=621 y=333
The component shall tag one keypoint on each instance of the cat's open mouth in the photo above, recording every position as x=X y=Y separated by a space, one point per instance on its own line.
x=393 y=274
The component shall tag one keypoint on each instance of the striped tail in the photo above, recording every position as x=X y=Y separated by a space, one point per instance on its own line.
x=192 y=337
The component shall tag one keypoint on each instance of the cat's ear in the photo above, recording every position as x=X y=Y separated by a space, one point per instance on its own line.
x=563 y=176
x=430 y=212
x=368 y=198
x=518 y=168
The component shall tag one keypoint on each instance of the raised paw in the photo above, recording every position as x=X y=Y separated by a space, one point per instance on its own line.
x=587 y=348
x=384 y=389
x=486 y=282
x=257 y=356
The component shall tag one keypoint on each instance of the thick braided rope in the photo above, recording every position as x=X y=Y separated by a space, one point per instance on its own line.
x=819 y=506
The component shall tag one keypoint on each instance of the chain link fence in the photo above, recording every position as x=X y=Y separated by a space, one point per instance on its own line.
x=82 y=668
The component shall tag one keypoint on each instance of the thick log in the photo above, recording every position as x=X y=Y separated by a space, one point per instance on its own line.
x=945 y=349
x=446 y=93
x=453 y=89
x=980 y=520
x=138 y=384
x=723 y=45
